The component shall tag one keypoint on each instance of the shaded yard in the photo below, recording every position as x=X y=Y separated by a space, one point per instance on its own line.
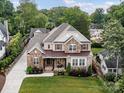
x=61 y=84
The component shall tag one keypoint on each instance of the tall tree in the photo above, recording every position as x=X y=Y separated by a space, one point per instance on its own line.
x=114 y=39
x=29 y=17
x=74 y=16
x=117 y=12
x=6 y=9
x=98 y=17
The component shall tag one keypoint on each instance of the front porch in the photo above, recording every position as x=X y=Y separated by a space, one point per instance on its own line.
x=49 y=64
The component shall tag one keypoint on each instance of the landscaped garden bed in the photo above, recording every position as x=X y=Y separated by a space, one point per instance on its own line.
x=2 y=80
x=62 y=84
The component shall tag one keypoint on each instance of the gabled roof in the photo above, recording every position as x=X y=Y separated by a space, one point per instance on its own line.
x=36 y=46
x=69 y=32
x=33 y=30
x=3 y=29
x=111 y=62
x=56 y=32
x=38 y=38
x=63 y=32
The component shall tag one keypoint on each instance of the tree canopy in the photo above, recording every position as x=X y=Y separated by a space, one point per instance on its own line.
x=98 y=17
x=74 y=16
x=117 y=12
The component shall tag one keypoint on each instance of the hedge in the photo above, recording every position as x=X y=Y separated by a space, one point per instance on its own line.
x=13 y=50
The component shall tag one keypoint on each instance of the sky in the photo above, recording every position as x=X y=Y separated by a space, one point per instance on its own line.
x=88 y=6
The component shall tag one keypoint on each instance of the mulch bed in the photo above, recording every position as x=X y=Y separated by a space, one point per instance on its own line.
x=2 y=80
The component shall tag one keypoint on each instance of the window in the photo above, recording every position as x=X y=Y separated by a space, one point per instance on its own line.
x=75 y=62
x=72 y=47
x=36 y=60
x=110 y=70
x=82 y=62
x=48 y=46
x=114 y=70
x=58 y=47
x=84 y=46
x=78 y=62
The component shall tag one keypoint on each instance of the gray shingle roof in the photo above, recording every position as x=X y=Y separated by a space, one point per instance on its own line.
x=71 y=28
x=57 y=32
x=38 y=38
x=43 y=30
x=3 y=29
x=111 y=62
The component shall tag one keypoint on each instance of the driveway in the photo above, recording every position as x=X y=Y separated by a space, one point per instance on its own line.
x=15 y=77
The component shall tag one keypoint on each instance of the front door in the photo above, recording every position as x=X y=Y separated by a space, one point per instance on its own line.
x=49 y=64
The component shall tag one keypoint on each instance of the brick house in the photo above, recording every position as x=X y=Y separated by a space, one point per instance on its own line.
x=62 y=45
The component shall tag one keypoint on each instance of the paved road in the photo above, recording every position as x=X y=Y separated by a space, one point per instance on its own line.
x=17 y=74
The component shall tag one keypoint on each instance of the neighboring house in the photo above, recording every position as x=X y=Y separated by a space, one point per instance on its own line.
x=96 y=35
x=4 y=38
x=109 y=64
x=63 y=45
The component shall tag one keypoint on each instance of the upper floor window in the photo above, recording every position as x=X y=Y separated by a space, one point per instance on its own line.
x=58 y=46
x=36 y=60
x=72 y=47
x=84 y=47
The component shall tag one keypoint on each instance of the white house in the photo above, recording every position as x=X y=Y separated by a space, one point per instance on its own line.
x=109 y=64
x=4 y=38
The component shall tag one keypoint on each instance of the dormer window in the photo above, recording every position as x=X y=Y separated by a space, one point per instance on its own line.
x=58 y=46
x=84 y=47
x=72 y=47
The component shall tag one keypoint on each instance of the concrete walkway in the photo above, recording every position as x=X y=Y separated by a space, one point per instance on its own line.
x=16 y=76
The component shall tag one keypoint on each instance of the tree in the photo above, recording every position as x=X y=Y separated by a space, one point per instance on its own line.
x=29 y=17
x=50 y=25
x=98 y=17
x=119 y=85
x=74 y=16
x=117 y=12
x=114 y=39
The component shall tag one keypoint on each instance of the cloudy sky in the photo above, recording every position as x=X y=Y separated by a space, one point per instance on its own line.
x=86 y=5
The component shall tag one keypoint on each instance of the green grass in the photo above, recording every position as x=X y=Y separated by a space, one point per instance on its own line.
x=61 y=84
x=96 y=50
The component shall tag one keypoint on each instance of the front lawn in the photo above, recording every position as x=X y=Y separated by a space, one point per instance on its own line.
x=61 y=84
x=97 y=50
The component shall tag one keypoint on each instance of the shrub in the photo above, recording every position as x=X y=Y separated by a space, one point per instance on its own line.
x=68 y=69
x=13 y=50
x=59 y=71
x=29 y=70
x=110 y=77
x=89 y=72
x=33 y=70
x=83 y=73
x=74 y=72
x=78 y=72
x=37 y=70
